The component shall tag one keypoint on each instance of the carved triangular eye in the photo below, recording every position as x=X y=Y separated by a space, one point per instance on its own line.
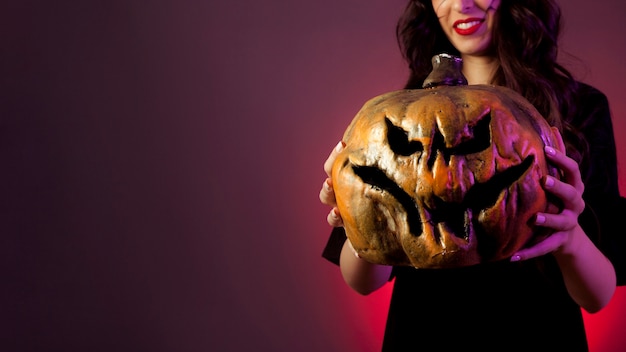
x=399 y=140
x=480 y=141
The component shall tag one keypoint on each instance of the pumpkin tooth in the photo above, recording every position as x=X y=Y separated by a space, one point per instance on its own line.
x=453 y=216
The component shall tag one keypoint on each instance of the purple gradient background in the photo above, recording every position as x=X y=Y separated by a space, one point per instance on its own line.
x=161 y=163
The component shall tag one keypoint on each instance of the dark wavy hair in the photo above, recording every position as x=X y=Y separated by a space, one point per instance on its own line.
x=525 y=45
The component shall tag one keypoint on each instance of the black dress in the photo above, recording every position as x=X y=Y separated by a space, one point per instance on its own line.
x=510 y=306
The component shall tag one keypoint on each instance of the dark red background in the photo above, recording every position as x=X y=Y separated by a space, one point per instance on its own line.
x=161 y=163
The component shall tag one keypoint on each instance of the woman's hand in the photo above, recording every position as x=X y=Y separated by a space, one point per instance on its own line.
x=327 y=194
x=588 y=275
x=569 y=189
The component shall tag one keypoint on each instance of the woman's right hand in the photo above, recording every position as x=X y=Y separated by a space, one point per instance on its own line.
x=327 y=194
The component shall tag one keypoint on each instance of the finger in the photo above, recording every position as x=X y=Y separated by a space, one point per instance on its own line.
x=328 y=164
x=564 y=221
x=548 y=245
x=568 y=194
x=334 y=219
x=559 y=144
x=569 y=167
x=327 y=193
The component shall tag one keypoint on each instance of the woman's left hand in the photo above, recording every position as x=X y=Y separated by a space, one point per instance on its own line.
x=569 y=189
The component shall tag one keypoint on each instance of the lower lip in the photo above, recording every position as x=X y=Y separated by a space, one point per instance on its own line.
x=467 y=31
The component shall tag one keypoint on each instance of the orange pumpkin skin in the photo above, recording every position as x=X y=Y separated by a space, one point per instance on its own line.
x=443 y=177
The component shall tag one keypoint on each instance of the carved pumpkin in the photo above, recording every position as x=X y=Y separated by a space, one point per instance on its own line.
x=443 y=177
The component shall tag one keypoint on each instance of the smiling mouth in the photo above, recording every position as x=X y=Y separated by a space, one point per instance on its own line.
x=468 y=27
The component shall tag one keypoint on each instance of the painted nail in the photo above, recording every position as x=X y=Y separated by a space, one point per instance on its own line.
x=549 y=181
x=540 y=219
x=339 y=147
x=516 y=258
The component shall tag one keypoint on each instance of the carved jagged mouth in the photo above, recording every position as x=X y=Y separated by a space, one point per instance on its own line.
x=454 y=215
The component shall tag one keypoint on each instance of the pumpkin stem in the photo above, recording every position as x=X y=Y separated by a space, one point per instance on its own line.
x=446 y=72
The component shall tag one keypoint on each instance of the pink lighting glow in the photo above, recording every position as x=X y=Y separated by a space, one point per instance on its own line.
x=161 y=163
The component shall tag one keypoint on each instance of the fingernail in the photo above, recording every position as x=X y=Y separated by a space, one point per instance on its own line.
x=339 y=147
x=549 y=181
x=516 y=258
x=550 y=150
x=540 y=219
x=327 y=185
x=335 y=213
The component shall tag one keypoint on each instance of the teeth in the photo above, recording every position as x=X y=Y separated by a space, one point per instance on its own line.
x=467 y=24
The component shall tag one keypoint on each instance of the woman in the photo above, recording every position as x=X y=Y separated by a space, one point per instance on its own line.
x=532 y=301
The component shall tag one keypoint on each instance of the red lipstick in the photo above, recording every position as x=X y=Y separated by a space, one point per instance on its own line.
x=468 y=26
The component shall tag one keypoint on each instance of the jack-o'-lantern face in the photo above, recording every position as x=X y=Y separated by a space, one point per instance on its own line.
x=442 y=177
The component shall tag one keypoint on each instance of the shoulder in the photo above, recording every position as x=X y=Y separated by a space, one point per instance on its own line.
x=588 y=93
x=591 y=106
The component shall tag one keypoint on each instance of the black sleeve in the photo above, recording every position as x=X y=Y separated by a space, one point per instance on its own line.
x=332 y=251
x=605 y=213
x=604 y=220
